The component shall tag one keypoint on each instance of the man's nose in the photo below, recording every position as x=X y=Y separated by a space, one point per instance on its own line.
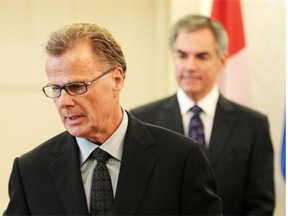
x=64 y=99
x=191 y=63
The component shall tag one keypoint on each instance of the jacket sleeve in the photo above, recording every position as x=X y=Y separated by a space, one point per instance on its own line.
x=17 y=204
x=260 y=189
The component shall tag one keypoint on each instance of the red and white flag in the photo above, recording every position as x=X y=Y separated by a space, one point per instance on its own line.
x=234 y=82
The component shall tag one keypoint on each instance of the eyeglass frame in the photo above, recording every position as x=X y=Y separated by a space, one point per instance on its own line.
x=86 y=84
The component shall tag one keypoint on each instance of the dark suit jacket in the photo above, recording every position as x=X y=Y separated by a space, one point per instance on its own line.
x=162 y=173
x=240 y=152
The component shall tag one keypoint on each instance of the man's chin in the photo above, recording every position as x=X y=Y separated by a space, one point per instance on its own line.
x=76 y=132
x=191 y=91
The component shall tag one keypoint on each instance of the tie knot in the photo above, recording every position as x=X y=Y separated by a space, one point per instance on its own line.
x=196 y=110
x=100 y=155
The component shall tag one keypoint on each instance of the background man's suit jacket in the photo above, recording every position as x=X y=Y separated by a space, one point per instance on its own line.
x=162 y=173
x=240 y=152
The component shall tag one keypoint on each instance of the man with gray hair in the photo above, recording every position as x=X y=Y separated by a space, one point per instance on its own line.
x=237 y=138
x=107 y=162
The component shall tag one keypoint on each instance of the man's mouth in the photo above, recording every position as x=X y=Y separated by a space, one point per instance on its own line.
x=74 y=117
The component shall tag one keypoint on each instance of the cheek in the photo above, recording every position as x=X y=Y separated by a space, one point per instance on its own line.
x=57 y=105
x=209 y=77
x=96 y=100
x=178 y=69
x=178 y=64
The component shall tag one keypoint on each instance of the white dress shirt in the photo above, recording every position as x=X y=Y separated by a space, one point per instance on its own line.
x=207 y=104
x=113 y=145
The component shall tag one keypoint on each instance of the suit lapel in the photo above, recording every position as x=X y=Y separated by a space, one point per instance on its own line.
x=65 y=172
x=223 y=124
x=136 y=167
x=170 y=115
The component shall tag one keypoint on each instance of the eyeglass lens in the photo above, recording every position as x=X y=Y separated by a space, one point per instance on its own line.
x=72 y=89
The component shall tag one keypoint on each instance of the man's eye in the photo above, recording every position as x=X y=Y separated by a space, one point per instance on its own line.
x=203 y=56
x=55 y=88
x=181 y=55
x=75 y=86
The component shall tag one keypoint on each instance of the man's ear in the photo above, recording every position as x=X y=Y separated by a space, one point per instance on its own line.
x=223 y=61
x=118 y=78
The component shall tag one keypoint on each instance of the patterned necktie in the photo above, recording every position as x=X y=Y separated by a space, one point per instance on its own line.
x=196 y=129
x=101 y=191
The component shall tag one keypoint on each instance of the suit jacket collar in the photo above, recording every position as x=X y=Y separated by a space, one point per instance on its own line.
x=225 y=118
x=223 y=123
x=65 y=172
x=136 y=168
x=171 y=121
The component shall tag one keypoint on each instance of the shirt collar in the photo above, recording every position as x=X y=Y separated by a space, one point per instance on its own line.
x=208 y=103
x=113 y=145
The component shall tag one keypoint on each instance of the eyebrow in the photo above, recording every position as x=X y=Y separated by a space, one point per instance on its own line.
x=180 y=51
x=66 y=83
x=203 y=54
x=196 y=54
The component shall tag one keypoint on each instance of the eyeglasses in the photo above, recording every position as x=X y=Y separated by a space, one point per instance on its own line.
x=75 y=88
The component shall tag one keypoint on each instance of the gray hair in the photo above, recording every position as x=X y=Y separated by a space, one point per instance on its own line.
x=102 y=42
x=191 y=23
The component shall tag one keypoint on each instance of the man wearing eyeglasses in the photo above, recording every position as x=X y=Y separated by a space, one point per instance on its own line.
x=107 y=162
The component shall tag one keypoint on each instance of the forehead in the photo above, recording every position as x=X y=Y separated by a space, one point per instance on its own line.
x=76 y=63
x=202 y=39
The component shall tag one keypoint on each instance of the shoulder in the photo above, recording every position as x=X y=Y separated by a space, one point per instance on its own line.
x=228 y=106
x=45 y=149
x=160 y=138
x=168 y=135
x=173 y=147
x=155 y=104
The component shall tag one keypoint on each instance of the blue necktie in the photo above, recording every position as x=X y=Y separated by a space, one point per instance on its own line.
x=196 y=129
x=101 y=191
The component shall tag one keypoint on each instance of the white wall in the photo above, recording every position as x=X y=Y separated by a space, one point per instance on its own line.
x=28 y=118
